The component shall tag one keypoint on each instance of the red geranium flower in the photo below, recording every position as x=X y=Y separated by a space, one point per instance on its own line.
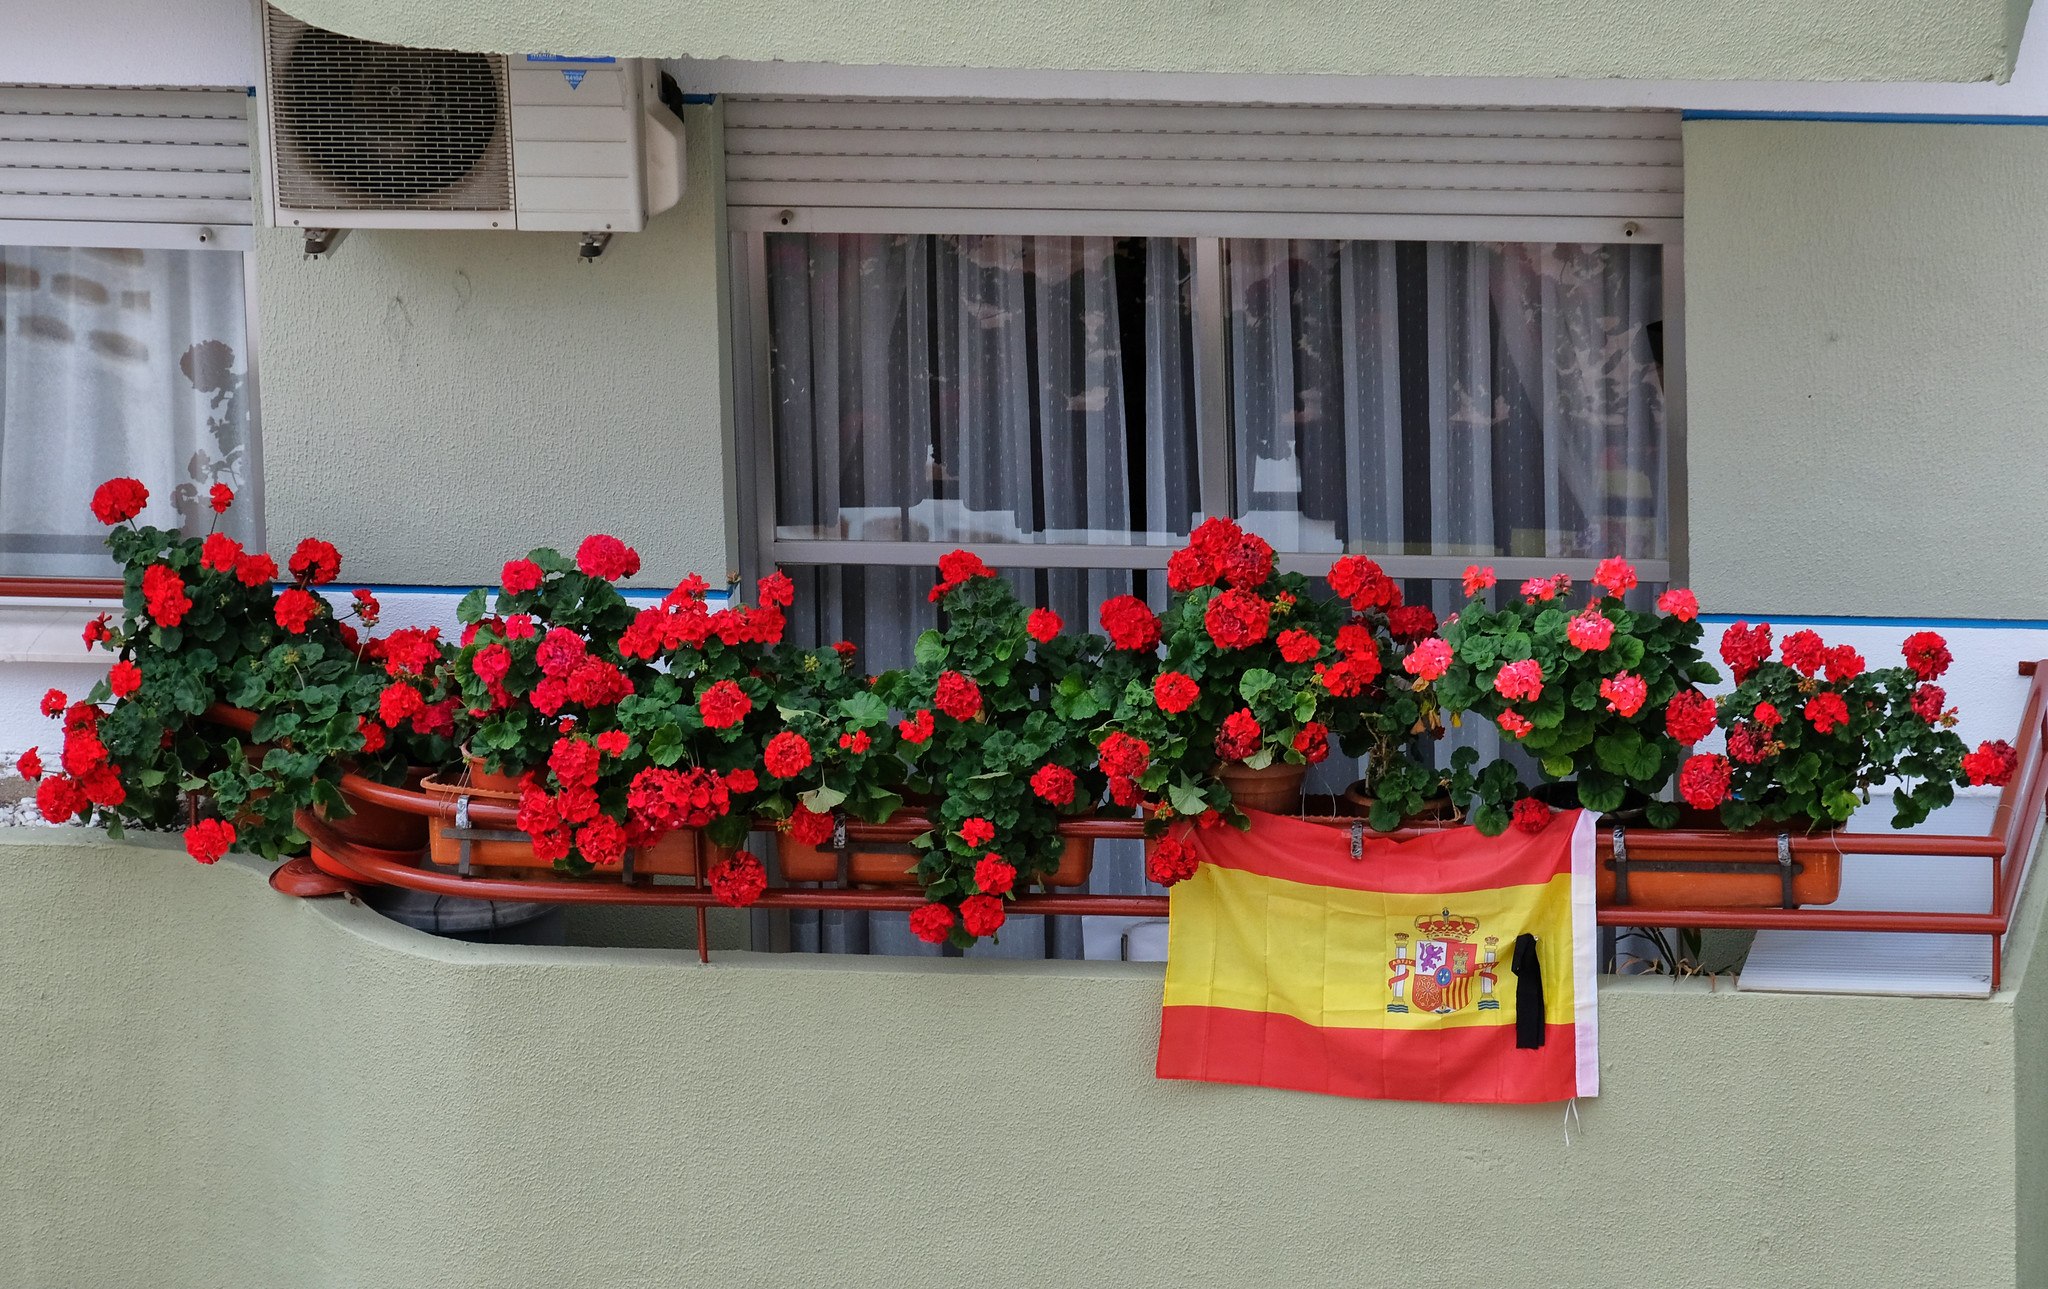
x=1747 y=743
x=1616 y=575
x=1313 y=742
x=315 y=561
x=520 y=576
x=1804 y=651
x=209 y=839
x=256 y=570
x=1247 y=562
x=604 y=556
x=1130 y=624
x=163 y=592
x=995 y=875
x=575 y=763
x=1745 y=648
x=977 y=832
x=1054 y=785
x=1360 y=581
x=1991 y=764
x=1429 y=660
x=1477 y=579
x=738 y=881
x=1843 y=663
x=29 y=765
x=1123 y=755
x=787 y=755
x=724 y=705
x=97 y=631
x=1624 y=693
x=775 y=591
x=1531 y=815
x=957 y=696
x=119 y=500
x=373 y=735
x=602 y=841
x=295 y=609
x=1546 y=588
x=58 y=799
x=1680 y=604
x=1520 y=680
x=1515 y=723
x=741 y=781
x=1174 y=692
x=219 y=553
x=1411 y=622
x=220 y=497
x=956 y=567
x=613 y=743
x=1236 y=619
x=1189 y=568
x=1298 y=646
x=1703 y=781
x=917 y=729
x=810 y=827
x=1170 y=861
x=367 y=607
x=1589 y=630
x=559 y=651
x=54 y=702
x=1766 y=715
x=1240 y=735
x=932 y=923
x=398 y=702
x=1043 y=625
x=1929 y=701
x=1826 y=710
x=858 y=742
x=124 y=678
x=1689 y=716
x=1927 y=654
x=981 y=915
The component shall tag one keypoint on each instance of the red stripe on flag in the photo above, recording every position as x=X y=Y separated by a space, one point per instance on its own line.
x=1468 y=1063
x=1446 y=862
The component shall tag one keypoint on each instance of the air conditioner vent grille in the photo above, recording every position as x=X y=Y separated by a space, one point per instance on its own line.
x=360 y=126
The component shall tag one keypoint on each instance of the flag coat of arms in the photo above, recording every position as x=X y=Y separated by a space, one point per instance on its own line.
x=1451 y=967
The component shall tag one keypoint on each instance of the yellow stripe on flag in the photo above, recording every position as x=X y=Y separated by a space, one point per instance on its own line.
x=1326 y=955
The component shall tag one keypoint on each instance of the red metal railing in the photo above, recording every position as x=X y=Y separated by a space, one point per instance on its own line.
x=2008 y=844
x=61 y=588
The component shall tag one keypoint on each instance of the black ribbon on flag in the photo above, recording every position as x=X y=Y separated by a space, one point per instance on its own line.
x=1529 y=1024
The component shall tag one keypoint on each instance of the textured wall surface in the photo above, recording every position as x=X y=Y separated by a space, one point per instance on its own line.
x=1841 y=40
x=1868 y=398
x=439 y=402
x=209 y=1084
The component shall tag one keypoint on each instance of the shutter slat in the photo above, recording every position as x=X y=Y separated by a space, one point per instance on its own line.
x=867 y=155
x=125 y=155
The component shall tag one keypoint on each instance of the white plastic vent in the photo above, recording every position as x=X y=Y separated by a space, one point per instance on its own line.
x=138 y=156
x=358 y=126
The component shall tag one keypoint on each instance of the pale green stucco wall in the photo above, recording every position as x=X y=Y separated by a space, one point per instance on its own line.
x=210 y=1085
x=1873 y=40
x=439 y=402
x=1867 y=351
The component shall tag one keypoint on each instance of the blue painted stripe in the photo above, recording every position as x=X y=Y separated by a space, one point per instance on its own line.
x=1961 y=624
x=1864 y=118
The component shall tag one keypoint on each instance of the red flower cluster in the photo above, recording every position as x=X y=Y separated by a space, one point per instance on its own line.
x=1929 y=701
x=1043 y=625
x=1679 y=603
x=1313 y=742
x=373 y=735
x=1689 y=716
x=1703 y=781
x=1531 y=815
x=54 y=702
x=1477 y=578
x=1520 y=681
x=119 y=500
x=124 y=678
x=739 y=880
x=1589 y=630
x=1170 y=861
x=220 y=497
x=661 y=800
x=209 y=839
x=1411 y=622
x=219 y=553
x=857 y=742
x=1745 y=648
x=1175 y=692
x=520 y=576
x=1748 y=744
x=787 y=755
x=1927 y=654
x=1625 y=693
x=1546 y=588
x=1054 y=785
x=1298 y=646
x=1130 y=624
x=1826 y=710
x=1991 y=764
x=1429 y=660
x=315 y=562
x=932 y=923
x=603 y=556
x=955 y=569
x=775 y=591
x=1240 y=735
x=724 y=705
x=1122 y=756
x=977 y=832
x=1515 y=723
x=1362 y=583
x=1616 y=575
x=957 y=696
x=1803 y=652
x=29 y=765
x=995 y=875
x=256 y=570
x=163 y=593
x=97 y=631
x=1220 y=550
x=367 y=607
x=1843 y=663
x=918 y=728
x=810 y=827
x=296 y=609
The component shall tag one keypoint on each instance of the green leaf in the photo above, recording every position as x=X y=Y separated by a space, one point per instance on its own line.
x=1256 y=684
x=864 y=709
x=822 y=800
x=1187 y=799
x=930 y=651
x=471 y=606
x=1557 y=767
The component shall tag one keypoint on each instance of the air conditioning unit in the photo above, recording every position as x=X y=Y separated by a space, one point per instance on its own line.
x=358 y=134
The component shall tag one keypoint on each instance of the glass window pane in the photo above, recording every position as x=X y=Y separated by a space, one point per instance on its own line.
x=118 y=362
x=986 y=389
x=1480 y=400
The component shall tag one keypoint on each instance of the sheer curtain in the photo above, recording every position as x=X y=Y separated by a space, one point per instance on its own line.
x=1024 y=390
x=118 y=362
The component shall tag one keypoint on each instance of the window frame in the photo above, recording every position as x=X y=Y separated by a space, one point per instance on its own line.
x=44 y=592
x=753 y=435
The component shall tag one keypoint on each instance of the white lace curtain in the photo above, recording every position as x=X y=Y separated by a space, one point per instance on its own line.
x=118 y=362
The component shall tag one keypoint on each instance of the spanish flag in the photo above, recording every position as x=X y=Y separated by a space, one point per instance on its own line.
x=1453 y=967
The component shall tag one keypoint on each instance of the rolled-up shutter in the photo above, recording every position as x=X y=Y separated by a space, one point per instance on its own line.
x=1190 y=163
x=136 y=156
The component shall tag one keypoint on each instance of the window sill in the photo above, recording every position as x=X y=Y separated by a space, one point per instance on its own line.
x=49 y=631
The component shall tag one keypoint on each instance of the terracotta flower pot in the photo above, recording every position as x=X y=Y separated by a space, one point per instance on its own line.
x=483 y=780
x=1357 y=805
x=1275 y=789
x=878 y=863
x=1720 y=883
x=379 y=826
x=509 y=853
